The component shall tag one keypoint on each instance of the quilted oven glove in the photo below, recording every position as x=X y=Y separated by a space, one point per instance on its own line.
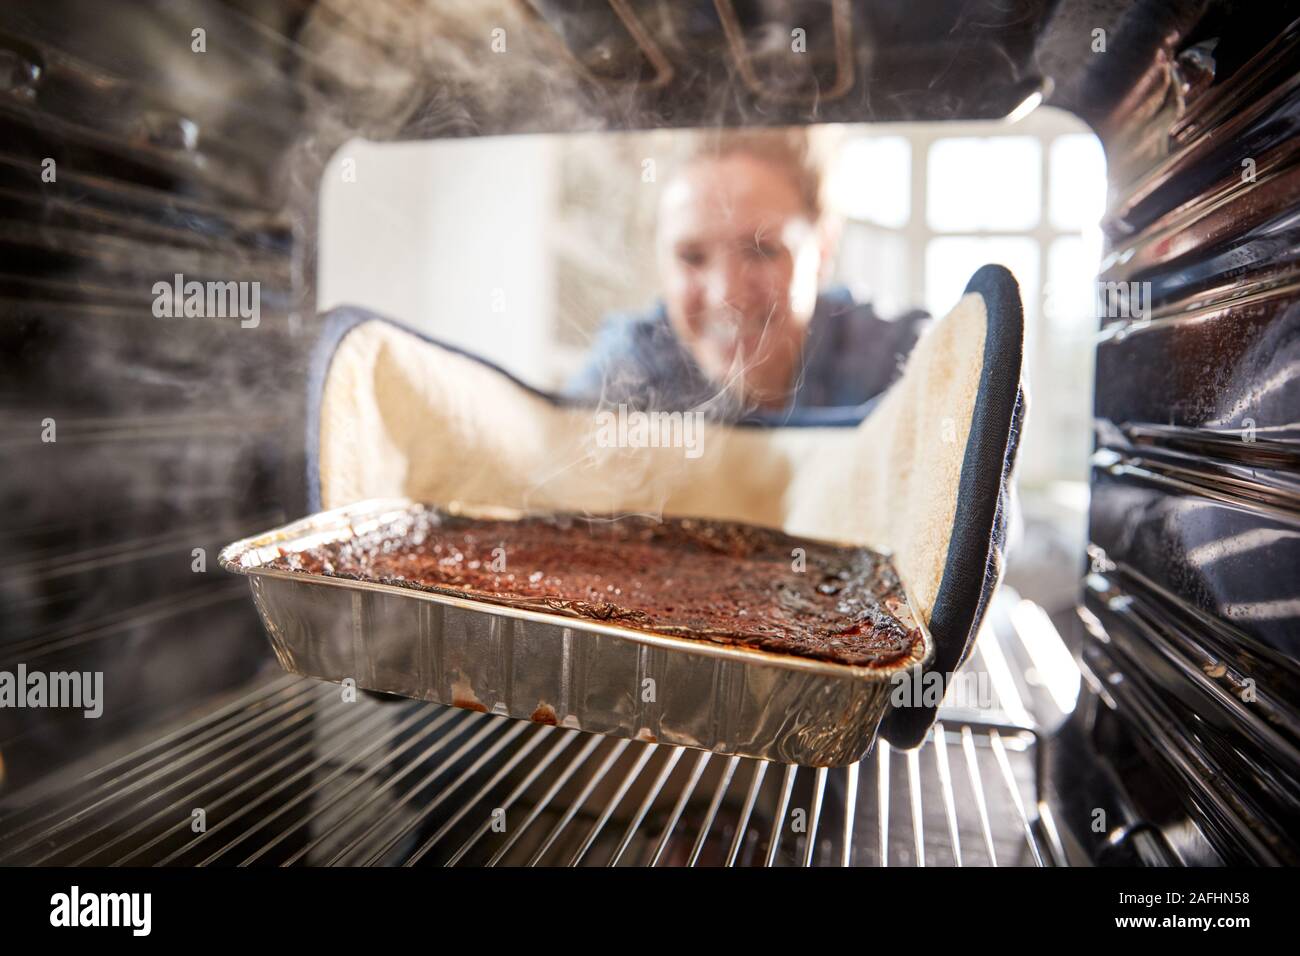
x=925 y=475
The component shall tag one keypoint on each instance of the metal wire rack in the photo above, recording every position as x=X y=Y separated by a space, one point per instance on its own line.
x=289 y=773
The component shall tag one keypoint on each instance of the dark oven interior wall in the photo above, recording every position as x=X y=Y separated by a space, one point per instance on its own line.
x=1192 y=597
x=140 y=141
x=128 y=158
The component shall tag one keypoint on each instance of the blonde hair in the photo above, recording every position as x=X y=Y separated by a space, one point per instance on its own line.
x=801 y=152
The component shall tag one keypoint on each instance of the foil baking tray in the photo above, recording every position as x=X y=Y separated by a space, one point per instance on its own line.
x=550 y=668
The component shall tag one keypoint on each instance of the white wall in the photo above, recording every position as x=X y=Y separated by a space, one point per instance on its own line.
x=447 y=236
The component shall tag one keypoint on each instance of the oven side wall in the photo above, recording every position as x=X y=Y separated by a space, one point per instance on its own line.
x=136 y=444
x=1188 y=747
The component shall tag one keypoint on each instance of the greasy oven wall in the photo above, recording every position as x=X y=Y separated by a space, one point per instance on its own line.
x=136 y=446
x=1191 y=601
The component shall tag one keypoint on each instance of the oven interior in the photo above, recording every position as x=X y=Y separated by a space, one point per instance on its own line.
x=129 y=153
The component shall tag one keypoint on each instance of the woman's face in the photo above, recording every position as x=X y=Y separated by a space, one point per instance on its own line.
x=739 y=258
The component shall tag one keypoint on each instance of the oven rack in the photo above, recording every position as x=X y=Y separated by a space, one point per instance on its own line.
x=289 y=773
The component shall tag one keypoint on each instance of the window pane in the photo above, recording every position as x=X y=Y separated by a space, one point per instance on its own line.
x=874 y=264
x=976 y=184
x=1078 y=181
x=872 y=180
x=950 y=261
x=1069 y=298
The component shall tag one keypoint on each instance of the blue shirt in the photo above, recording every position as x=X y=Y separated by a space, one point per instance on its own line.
x=850 y=356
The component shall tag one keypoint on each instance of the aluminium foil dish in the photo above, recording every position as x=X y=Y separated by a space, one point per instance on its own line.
x=707 y=634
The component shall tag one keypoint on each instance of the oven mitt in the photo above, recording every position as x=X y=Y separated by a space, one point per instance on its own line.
x=925 y=475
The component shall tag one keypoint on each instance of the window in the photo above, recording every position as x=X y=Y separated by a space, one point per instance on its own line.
x=980 y=184
x=925 y=205
x=871 y=180
x=1078 y=178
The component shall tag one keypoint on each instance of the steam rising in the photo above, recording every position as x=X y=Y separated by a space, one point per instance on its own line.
x=458 y=65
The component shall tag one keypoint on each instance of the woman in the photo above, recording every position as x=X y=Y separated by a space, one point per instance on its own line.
x=742 y=244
